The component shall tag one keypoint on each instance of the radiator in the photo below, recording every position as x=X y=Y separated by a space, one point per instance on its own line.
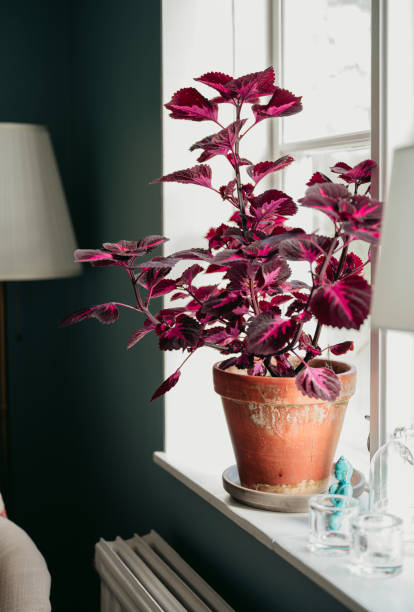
x=145 y=573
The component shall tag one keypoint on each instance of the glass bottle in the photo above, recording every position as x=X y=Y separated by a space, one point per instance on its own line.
x=392 y=479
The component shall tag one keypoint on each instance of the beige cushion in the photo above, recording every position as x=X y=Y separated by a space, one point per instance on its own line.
x=24 y=577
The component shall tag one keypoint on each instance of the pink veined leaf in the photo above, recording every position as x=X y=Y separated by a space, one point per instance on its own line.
x=168 y=384
x=361 y=173
x=344 y=303
x=308 y=247
x=272 y=206
x=152 y=276
x=340 y=167
x=188 y=103
x=227 y=191
x=220 y=143
x=251 y=86
x=305 y=343
x=180 y=295
x=189 y=275
x=263 y=248
x=137 y=335
x=216 y=80
x=185 y=333
x=246 y=88
x=320 y=383
x=327 y=198
x=206 y=292
x=281 y=104
x=318 y=177
x=92 y=255
x=197 y=175
x=268 y=333
x=342 y=348
x=125 y=249
x=258 y=369
x=260 y=170
x=275 y=271
x=163 y=287
x=105 y=313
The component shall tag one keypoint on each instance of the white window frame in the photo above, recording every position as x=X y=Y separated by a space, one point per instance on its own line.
x=373 y=139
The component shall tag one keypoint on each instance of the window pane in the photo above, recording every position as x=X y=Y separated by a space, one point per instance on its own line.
x=326 y=59
x=355 y=429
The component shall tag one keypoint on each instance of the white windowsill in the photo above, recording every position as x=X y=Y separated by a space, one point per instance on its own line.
x=286 y=535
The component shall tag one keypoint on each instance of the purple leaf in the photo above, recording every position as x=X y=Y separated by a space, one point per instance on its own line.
x=275 y=271
x=125 y=249
x=91 y=255
x=260 y=170
x=197 y=175
x=318 y=177
x=308 y=247
x=329 y=198
x=178 y=296
x=226 y=191
x=188 y=275
x=268 y=333
x=216 y=80
x=272 y=204
x=105 y=313
x=246 y=88
x=281 y=104
x=263 y=248
x=185 y=333
x=221 y=143
x=163 y=287
x=188 y=103
x=137 y=335
x=320 y=383
x=342 y=348
x=168 y=384
x=361 y=173
x=344 y=303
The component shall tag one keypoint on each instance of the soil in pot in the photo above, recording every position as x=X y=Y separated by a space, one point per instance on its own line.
x=284 y=441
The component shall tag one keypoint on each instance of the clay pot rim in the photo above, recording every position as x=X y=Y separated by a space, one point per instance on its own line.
x=345 y=369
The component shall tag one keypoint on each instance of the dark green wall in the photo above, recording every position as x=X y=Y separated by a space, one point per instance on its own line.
x=82 y=431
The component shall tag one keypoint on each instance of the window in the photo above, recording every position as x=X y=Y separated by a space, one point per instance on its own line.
x=308 y=43
x=317 y=61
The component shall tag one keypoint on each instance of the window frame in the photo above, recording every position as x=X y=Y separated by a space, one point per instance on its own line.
x=376 y=141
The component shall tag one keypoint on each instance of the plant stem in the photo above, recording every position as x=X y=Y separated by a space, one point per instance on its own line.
x=266 y=361
x=238 y=179
x=253 y=297
x=337 y=274
x=140 y=303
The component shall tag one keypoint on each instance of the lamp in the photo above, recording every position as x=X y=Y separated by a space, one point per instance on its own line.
x=393 y=299
x=36 y=234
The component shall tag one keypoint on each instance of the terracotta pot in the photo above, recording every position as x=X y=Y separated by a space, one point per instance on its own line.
x=284 y=441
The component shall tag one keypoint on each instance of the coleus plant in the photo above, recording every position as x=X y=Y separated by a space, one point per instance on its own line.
x=257 y=316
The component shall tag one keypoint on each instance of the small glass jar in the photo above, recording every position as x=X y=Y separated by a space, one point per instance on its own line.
x=330 y=523
x=392 y=479
x=377 y=544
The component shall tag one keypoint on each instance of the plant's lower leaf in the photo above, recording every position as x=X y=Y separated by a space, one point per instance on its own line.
x=105 y=313
x=344 y=303
x=137 y=335
x=168 y=384
x=342 y=348
x=185 y=333
x=197 y=175
x=268 y=333
x=320 y=383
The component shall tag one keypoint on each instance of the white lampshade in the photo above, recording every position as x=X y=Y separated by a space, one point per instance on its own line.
x=393 y=301
x=36 y=234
